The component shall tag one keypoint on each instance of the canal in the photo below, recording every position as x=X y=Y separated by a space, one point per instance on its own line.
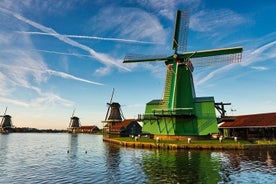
x=85 y=158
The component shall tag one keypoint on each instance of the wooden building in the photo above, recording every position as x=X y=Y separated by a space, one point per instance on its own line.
x=250 y=126
x=126 y=128
x=88 y=129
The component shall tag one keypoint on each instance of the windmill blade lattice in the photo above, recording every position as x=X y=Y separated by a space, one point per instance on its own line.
x=181 y=31
x=217 y=60
x=129 y=58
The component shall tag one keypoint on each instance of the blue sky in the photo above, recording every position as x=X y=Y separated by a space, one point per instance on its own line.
x=56 y=56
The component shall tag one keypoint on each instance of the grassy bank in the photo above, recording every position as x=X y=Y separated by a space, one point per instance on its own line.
x=194 y=144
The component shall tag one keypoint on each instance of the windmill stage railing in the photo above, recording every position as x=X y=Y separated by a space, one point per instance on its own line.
x=175 y=112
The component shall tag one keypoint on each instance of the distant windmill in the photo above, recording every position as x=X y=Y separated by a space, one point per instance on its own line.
x=109 y=106
x=114 y=113
x=180 y=112
x=6 y=123
x=74 y=123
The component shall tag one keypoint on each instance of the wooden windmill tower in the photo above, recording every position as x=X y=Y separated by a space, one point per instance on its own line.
x=6 y=123
x=74 y=123
x=114 y=114
x=180 y=112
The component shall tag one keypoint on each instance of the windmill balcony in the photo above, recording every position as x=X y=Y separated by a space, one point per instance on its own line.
x=176 y=112
x=148 y=116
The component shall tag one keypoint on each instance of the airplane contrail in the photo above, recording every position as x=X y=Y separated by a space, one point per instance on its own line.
x=100 y=56
x=62 y=53
x=68 y=76
x=56 y=73
x=89 y=37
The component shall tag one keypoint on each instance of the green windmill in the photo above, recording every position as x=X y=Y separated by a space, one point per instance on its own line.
x=180 y=112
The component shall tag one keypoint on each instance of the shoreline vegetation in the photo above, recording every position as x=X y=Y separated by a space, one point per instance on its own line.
x=212 y=144
x=36 y=130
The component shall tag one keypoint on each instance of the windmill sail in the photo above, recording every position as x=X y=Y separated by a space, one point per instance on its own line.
x=181 y=31
x=131 y=58
x=214 y=52
x=109 y=104
x=214 y=57
x=217 y=60
x=3 y=118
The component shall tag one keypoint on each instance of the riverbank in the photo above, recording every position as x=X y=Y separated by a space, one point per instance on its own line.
x=197 y=144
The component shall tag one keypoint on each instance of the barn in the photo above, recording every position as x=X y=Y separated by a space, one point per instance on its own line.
x=253 y=126
x=126 y=128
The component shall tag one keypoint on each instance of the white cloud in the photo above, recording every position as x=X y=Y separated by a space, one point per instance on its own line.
x=137 y=25
x=41 y=7
x=103 y=71
x=44 y=101
x=20 y=68
x=259 y=68
x=210 y=20
x=47 y=100
x=13 y=101
x=164 y=7
x=167 y=8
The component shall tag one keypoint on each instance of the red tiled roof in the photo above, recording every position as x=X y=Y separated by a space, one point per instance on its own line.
x=253 y=120
x=124 y=123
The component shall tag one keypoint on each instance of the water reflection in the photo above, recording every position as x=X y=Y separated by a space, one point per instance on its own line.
x=244 y=166
x=4 y=142
x=181 y=167
x=73 y=145
x=269 y=161
x=113 y=158
x=248 y=166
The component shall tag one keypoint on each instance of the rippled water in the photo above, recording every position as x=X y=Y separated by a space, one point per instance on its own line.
x=85 y=158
